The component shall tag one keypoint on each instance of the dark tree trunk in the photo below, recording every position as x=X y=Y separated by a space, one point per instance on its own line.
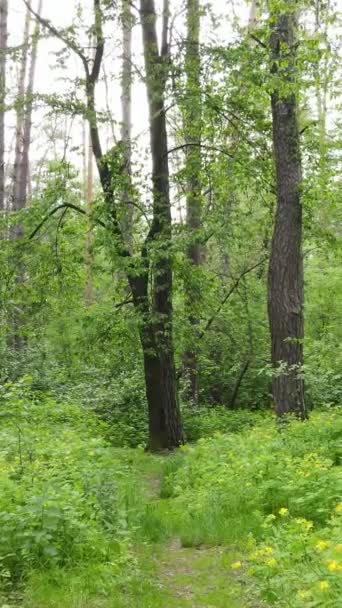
x=3 y=49
x=285 y=282
x=192 y=130
x=155 y=317
x=161 y=383
x=242 y=372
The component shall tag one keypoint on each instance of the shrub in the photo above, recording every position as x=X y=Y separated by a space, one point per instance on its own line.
x=62 y=487
x=227 y=484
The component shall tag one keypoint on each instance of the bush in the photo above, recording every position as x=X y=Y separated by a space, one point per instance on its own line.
x=298 y=560
x=205 y=422
x=225 y=485
x=62 y=487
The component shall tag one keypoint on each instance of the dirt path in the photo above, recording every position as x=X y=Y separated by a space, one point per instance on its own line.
x=198 y=578
x=195 y=577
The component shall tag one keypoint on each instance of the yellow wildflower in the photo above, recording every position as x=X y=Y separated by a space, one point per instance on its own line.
x=338 y=507
x=270 y=517
x=334 y=566
x=321 y=545
x=268 y=550
x=283 y=512
x=236 y=565
x=271 y=562
x=304 y=523
x=304 y=595
x=323 y=585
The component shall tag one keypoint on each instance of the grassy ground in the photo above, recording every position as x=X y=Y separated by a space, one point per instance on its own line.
x=168 y=575
x=233 y=520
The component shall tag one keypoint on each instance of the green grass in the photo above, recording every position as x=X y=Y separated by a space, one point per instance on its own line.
x=237 y=520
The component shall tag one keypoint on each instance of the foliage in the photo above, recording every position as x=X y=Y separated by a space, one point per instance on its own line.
x=242 y=478
x=298 y=560
x=63 y=490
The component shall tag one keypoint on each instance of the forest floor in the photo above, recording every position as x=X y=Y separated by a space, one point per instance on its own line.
x=215 y=524
x=192 y=577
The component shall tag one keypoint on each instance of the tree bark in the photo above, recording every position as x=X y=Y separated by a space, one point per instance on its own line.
x=3 y=49
x=19 y=136
x=88 y=187
x=126 y=124
x=161 y=384
x=23 y=176
x=285 y=281
x=192 y=130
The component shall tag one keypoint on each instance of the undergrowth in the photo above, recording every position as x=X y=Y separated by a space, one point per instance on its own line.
x=81 y=520
x=275 y=493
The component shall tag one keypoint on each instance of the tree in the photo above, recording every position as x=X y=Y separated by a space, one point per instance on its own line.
x=149 y=276
x=285 y=280
x=23 y=177
x=157 y=335
x=126 y=109
x=20 y=117
x=192 y=130
x=3 y=49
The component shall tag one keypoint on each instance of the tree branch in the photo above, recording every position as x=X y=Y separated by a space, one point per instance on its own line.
x=95 y=72
x=62 y=206
x=53 y=30
x=228 y=294
x=199 y=145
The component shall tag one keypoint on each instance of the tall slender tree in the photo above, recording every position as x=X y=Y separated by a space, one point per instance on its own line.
x=285 y=281
x=20 y=116
x=24 y=173
x=88 y=195
x=3 y=50
x=126 y=122
x=192 y=130
x=165 y=422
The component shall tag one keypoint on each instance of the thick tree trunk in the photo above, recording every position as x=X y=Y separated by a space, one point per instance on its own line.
x=3 y=49
x=192 y=129
x=161 y=385
x=285 y=286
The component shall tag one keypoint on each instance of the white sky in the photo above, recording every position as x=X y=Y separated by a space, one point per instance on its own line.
x=50 y=80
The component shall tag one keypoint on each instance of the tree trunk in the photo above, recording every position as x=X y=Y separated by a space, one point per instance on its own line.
x=3 y=49
x=192 y=129
x=161 y=385
x=126 y=125
x=88 y=187
x=285 y=282
x=23 y=176
x=156 y=316
x=19 y=136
